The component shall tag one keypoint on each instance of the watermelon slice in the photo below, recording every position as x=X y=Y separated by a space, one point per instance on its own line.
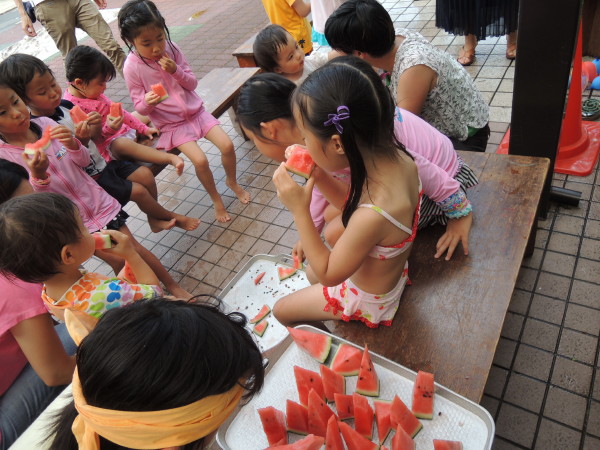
x=78 y=115
x=297 y=263
x=333 y=383
x=318 y=414
x=316 y=345
x=439 y=444
x=368 y=382
x=273 y=422
x=101 y=241
x=300 y=162
x=160 y=90
x=305 y=381
x=402 y=440
x=383 y=447
x=347 y=360
x=422 y=404
x=116 y=110
x=259 y=277
x=382 y=415
x=297 y=417
x=401 y=415
x=363 y=416
x=354 y=441
x=333 y=439
x=310 y=442
x=344 y=405
x=41 y=144
x=260 y=328
x=285 y=272
x=127 y=274
x=264 y=312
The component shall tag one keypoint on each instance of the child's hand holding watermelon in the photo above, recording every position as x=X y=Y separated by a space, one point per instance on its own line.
x=167 y=64
x=62 y=134
x=295 y=198
x=115 y=123
x=152 y=98
x=38 y=164
x=95 y=123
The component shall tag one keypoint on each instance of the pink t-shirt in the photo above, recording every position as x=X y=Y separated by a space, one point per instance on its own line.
x=19 y=301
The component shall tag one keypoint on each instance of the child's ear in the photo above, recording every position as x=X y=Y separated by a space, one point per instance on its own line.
x=67 y=256
x=336 y=141
x=269 y=130
x=78 y=82
x=278 y=70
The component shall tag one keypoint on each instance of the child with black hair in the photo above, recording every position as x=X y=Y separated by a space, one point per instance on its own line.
x=182 y=118
x=59 y=169
x=87 y=71
x=159 y=374
x=422 y=79
x=276 y=50
x=34 y=353
x=346 y=117
x=34 y=82
x=43 y=240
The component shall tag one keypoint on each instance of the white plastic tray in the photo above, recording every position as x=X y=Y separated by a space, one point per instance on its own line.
x=241 y=294
x=454 y=418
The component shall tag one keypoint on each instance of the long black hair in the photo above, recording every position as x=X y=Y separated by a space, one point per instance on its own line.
x=263 y=98
x=134 y=16
x=11 y=177
x=159 y=354
x=369 y=131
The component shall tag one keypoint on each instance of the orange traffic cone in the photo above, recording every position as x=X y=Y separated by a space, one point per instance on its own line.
x=579 y=143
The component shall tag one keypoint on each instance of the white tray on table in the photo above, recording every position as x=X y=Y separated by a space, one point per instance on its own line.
x=242 y=295
x=454 y=418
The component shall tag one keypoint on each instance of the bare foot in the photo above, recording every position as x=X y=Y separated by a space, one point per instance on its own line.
x=158 y=225
x=185 y=222
x=178 y=292
x=221 y=213
x=176 y=162
x=242 y=195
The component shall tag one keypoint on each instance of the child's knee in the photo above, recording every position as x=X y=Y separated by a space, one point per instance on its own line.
x=201 y=163
x=279 y=310
x=143 y=175
x=137 y=192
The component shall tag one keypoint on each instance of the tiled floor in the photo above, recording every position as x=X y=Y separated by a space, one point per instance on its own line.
x=544 y=387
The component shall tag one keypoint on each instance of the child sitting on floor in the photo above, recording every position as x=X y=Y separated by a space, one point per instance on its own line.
x=43 y=239
x=346 y=118
x=159 y=374
x=88 y=71
x=181 y=117
x=34 y=82
x=276 y=50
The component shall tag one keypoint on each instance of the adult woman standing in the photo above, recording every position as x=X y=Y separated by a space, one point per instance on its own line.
x=476 y=20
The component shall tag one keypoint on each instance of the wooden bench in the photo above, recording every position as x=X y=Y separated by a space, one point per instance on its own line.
x=450 y=318
x=218 y=88
x=245 y=54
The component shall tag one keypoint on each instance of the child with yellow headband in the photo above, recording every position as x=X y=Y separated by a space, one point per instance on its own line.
x=158 y=374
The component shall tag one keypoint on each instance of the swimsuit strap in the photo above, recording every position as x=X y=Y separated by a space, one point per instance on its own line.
x=378 y=210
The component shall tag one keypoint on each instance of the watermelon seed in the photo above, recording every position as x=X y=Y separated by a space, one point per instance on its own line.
x=440 y=413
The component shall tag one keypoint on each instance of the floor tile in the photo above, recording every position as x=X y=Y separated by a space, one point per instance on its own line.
x=593 y=426
x=525 y=392
x=571 y=375
x=565 y=407
x=578 y=346
x=496 y=381
x=559 y=263
x=553 y=285
x=540 y=334
x=554 y=436
x=516 y=425
x=533 y=362
x=547 y=309
x=582 y=318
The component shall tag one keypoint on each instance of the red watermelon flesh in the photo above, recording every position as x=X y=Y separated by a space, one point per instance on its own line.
x=316 y=345
x=259 y=277
x=344 y=405
x=310 y=442
x=273 y=422
x=423 y=390
x=383 y=447
x=300 y=162
x=159 y=90
x=439 y=444
x=116 y=110
x=285 y=272
x=297 y=263
x=260 y=328
x=368 y=382
x=321 y=405
x=78 y=115
x=101 y=241
x=333 y=440
x=401 y=415
x=333 y=383
x=402 y=440
x=264 y=312
x=305 y=381
x=297 y=417
x=317 y=420
x=347 y=360
x=363 y=416
x=382 y=416
x=127 y=274
x=354 y=441
x=41 y=144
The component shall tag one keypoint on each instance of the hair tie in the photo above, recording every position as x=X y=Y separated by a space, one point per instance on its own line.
x=343 y=112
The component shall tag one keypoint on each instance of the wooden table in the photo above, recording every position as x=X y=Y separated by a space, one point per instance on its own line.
x=245 y=54
x=449 y=320
x=219 y=87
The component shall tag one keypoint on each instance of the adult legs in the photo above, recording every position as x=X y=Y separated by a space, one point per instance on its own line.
x=58 y=18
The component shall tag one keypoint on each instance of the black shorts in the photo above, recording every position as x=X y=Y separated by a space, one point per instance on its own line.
x=119 y=220
x=476 y=143
x=113 y=179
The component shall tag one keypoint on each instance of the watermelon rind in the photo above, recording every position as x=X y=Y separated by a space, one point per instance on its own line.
x=102 y=241
x=401 y=415
x=316 y=345
x=300 y=155
x=285 y=272
x=264 y=312
x=423 y=395
x=346 y=352
x=292 y=411
x=260 y=328
x=368 y=381
x=258 y=278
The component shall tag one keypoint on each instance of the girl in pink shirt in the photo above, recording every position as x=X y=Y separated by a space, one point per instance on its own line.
x=181 y=116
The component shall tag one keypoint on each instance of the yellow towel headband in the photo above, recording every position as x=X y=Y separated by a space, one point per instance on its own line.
x=151 y=429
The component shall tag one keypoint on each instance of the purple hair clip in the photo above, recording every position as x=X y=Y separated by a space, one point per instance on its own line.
x=343 y=112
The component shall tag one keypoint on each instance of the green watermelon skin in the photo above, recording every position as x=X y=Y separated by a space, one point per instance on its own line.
x=316 y=345
x=423 y=392
x=300 y=162
x=285 y=272
x=260 y=328
x=368 y=381
x=401 y=415
x=264 y=312
x=297 y=417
